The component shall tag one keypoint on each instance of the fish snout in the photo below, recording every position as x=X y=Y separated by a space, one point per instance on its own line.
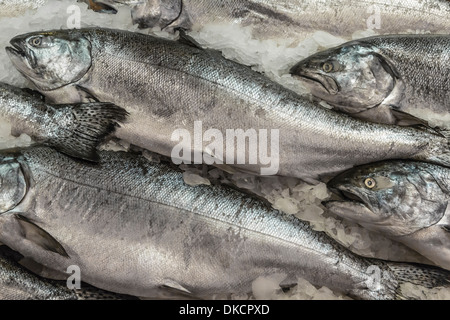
x=320 y=84
x=18 y=44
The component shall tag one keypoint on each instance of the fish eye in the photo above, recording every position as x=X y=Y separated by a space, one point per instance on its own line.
x=36 y=41
x=370 y=183
x=327 y=67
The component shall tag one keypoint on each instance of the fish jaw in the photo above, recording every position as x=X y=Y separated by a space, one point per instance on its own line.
x=352 y=210
x=19 y=58
x=319 y=84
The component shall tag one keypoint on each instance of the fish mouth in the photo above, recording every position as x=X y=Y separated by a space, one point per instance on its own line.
x=14 y=52
x=18 y=46
x=351 y=210
x=347 y=195
x=326 y=82
x=22 y=58
x=342 y=187
x=350 y=206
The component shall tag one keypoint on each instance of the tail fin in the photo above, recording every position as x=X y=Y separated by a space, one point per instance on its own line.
x=439 y=150
x=417 y=274
x=92 y=123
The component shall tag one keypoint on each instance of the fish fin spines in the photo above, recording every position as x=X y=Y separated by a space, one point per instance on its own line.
x=93 y=123
x=418 y=274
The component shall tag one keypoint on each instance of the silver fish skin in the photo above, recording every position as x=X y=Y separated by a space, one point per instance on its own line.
x=167 y=85
x=404 y=200
x=19 y=284
x=388 y=79
x=133 y=226
x=76 y=129
x=296 y=19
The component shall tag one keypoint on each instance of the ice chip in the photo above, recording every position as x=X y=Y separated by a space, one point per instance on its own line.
x=265 y=288
x=194 y=179
x=285 y=205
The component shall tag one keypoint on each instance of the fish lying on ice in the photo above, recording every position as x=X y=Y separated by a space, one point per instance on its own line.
x=298 y=19
x=19 y=284
x=133 y=226
x=387 y=79
x=404 y=200
x=168 y=86
x=75 y=129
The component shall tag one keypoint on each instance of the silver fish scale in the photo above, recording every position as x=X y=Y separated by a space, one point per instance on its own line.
x=423 y=64
x=18 y=284
x=214 y=228
x=166 y=86
x=162 y=185
x=298 y=19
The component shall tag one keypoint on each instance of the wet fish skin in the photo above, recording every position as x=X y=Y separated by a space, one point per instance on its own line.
x=167 y=85
x=297 y=19
x=133 y=226
x=76 y=129
x=19 y=284
x=376 y=78
x=407 y=202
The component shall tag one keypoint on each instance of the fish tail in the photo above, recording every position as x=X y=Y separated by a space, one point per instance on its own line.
x=438 y=151
x=93 y=122
x=417 y=274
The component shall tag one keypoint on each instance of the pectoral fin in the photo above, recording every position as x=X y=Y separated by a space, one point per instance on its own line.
x=406 y=119
x=387 y=114
x=39 y=236
x=42 y=270
x=171 y=284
